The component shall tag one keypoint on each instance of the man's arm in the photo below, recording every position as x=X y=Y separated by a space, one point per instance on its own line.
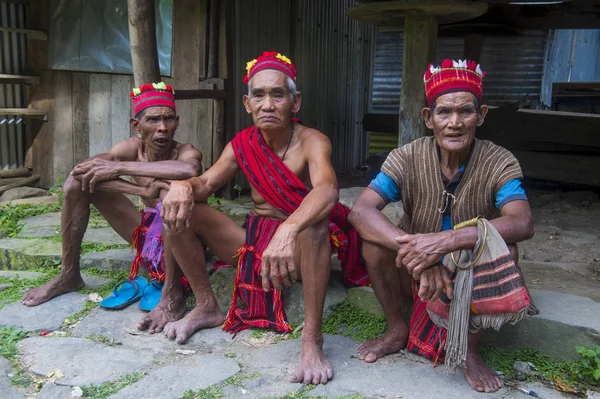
x=420 y=251
x=122 y=160
x=278 y=258
x=371 y=223
x=125 y=187
x=179 y=202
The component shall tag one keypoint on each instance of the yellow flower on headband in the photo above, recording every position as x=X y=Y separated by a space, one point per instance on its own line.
x=284 y=58
x=250 y=64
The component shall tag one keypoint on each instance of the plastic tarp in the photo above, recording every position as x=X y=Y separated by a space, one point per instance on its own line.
x=93 y=36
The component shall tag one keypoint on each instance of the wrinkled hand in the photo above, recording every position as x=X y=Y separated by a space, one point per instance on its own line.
x=177 y=206
x=420 y=251
x=278 y=259
x=433 y=282
x=93 y=171
x=154 y=189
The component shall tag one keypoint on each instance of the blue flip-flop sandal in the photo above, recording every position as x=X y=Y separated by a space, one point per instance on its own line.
x=125 y=293
x=151 y=295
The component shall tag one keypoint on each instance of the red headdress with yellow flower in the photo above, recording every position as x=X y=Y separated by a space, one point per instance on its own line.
x=152 y=95
x=270 y=60
x=451 y=77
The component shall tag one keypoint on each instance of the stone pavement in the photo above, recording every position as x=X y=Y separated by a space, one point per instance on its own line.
x=105 y=346
x=262 y=364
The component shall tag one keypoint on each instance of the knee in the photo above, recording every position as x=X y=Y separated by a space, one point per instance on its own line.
x=318 y=233
x=377 y=256
x=72 y=187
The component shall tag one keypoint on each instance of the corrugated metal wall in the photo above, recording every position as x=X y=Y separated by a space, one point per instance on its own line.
x=332 y=56
x=13 y=50
x=573 y=55
x=513 y=64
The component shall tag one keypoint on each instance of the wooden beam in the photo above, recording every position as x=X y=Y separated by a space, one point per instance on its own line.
x=419 y=50
x=24 y=112
x=142 y=37
x=199 y=94
x=23 y=182
x=12 y=173
x=19 y=79
x=31 y=34
x=577 y=169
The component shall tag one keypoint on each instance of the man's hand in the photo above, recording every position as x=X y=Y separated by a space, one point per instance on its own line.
x=278 y=259
x=433 y=281
x=153 y=190
x=95 y=170
x=177 y=206
x=421 y=251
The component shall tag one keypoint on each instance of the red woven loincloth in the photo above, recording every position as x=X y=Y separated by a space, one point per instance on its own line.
x=281 y=188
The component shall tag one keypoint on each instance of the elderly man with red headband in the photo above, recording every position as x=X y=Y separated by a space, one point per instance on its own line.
x=445 y=180
x=290 y=231
x=151 y=159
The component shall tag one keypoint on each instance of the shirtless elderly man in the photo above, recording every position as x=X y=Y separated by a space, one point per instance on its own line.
x=287 y=235
x=151 y=159
x=444 y=181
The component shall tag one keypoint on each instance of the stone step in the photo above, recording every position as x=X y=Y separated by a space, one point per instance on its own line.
x=24 y=254
x=111 y=260
x=564 y=322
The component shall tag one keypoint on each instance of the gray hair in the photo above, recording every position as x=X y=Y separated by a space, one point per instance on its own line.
x=290 y=83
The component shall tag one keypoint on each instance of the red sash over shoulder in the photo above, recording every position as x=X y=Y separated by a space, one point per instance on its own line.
x=280 y=187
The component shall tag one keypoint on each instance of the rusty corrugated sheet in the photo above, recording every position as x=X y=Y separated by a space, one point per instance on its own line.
x=332 y=52
x=13 y=52
x=387 y=67
x=332 y=56
x=513 y=64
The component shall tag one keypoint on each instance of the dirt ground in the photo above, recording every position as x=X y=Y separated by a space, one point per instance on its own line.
x=564 y=254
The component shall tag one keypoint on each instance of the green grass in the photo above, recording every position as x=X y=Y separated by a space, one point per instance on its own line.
x=348 y=320
x=19 y=286
x=216 y=391
x=9 y=337
x=11 y=217
x=569 y=371
x=110 y=388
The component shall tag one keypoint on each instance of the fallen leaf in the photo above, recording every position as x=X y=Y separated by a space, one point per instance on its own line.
x=133 y=331
x=185 y=351
x=93 y=297
x=562 y=387
x=76 y=392
x=44 y=333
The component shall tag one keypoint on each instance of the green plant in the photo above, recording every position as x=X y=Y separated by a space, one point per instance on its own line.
x=9 y=337
x=590 y=363
x=11 y=216
x=351 y=321
x=110 y=388
x=238 y=188
x=214 y=201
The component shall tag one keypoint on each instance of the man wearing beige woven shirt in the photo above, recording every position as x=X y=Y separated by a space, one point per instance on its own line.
x=442 y=180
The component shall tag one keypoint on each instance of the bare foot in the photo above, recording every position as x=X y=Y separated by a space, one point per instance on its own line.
x=314 y=367
x=393 y=341
x=169 y=308
x=195 y=320
x=55 y=287
x=479 y=375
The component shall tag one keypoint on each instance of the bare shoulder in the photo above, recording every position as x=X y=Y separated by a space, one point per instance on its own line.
x=312 y=138
x=126 y=150
x=187 y=151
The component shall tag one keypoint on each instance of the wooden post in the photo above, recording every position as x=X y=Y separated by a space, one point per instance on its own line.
x=142 y=37
x=473 y=47
x=213 y=39
x=420 y=34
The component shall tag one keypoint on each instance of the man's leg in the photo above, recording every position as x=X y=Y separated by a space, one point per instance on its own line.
x=477 y=373
x=390 y=285
x=117 y=210
x=171 y=306
x=314 y=260
x=224 y=237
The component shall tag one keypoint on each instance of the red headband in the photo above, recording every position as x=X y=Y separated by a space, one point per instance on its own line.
x=152 y=95
x=452 y=77
x=270 y=60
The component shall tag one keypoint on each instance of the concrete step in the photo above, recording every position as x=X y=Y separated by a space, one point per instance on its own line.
x=564 y=322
